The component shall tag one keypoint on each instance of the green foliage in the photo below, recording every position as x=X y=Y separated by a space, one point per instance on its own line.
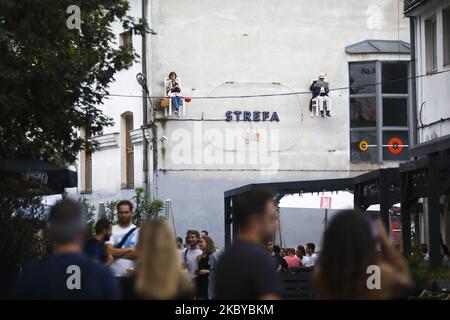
x=424 y=277
x=22 y=218
x=145 y=208
x=54 y=78
x=89 y=211
x=111 y=211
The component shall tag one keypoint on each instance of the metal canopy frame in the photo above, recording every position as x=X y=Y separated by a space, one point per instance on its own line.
x=426 y=177
x=380 y=186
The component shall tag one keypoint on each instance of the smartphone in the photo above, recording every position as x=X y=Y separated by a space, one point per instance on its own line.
x=373 y=219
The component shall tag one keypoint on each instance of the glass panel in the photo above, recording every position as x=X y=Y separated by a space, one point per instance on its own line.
x=394 y=77
x=395 y=112
x=356 y=154
x=88 y=168
x=431 y=44
x=362 y=74
x=130 y=169
x=446 y=34
x=394 y=148
x=363 y=112
x=126 y=39
x=129 y=152
x=129 y=127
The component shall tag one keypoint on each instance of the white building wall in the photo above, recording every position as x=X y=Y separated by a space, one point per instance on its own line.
x=433 y=94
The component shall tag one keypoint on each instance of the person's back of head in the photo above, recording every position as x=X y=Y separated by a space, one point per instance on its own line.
x=348 y=248
x=290 y=252
x=301 y=250
x=102 y=225
x=66 y=222
x=179 y=242
x=255 y=211
x=158 y=273
x=276 y=249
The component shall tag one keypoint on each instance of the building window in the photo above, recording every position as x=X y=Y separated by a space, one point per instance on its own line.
x=378 y=110
x=431 y=44
x=87 y=165
x=446 y=34
x=126 y=39
x=128 y=152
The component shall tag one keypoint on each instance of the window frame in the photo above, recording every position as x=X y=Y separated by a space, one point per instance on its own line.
x=87 y=165
x=380 y=128
x=129 y=151
x=123 y=39
x=431 y=44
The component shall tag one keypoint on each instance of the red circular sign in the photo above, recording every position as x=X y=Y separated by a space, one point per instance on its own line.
x=395 y=145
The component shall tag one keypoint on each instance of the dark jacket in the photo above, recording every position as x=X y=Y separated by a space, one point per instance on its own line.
x=316 y=85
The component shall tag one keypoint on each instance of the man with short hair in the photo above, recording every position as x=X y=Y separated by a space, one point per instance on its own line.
x=192 y=251
x=68 y=273
x=246 y=271
x=95 y=246
x=310 y=251
x=123 y=240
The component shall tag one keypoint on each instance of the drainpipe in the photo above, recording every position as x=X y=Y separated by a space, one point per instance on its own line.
x=144 y=105
x=412 y=31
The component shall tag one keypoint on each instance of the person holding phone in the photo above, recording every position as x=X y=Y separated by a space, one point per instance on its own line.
x=349 y=255
x=192 y=251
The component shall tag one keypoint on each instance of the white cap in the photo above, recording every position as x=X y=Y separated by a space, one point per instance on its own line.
x=322 y=75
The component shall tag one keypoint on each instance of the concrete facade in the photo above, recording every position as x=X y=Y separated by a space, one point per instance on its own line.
x=235 y=48
x=433 y=94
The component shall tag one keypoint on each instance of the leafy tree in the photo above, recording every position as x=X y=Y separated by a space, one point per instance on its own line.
x=53 y=78
x=52 y=81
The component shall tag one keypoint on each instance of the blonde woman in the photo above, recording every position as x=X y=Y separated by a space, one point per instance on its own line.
x=158 y=274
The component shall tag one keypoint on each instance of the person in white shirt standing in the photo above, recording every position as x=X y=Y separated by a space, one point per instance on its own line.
x=192 y=251
x=123 y=240
x=301 y=254
x=310 y=248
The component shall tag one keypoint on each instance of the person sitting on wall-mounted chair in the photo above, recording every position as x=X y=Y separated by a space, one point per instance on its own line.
x=174 y=92
x=320 y=89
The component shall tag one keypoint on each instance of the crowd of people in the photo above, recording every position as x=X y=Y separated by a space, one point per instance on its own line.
x=289 y=258
x=124 y=261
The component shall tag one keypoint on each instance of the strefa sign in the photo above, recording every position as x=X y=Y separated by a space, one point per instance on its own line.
x=254 y=116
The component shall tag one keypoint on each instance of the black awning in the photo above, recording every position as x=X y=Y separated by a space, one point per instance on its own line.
x=46 y=174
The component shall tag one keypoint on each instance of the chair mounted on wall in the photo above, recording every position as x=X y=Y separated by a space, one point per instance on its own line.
x=167 y=102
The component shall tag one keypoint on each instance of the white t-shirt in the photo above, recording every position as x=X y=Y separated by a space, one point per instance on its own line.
x=189 y=256
x=306 y=261
x=312 y=260
x=119 y=266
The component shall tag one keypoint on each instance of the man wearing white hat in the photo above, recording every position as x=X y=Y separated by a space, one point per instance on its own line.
x=320 y=89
